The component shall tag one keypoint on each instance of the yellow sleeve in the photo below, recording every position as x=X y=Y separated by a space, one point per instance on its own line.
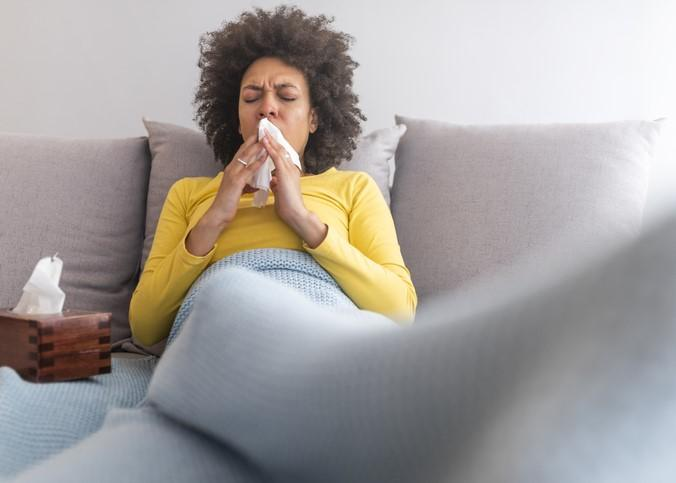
x=369 y=266
x=169 y=271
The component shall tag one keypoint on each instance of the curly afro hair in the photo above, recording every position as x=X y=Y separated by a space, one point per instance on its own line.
x=306 y=43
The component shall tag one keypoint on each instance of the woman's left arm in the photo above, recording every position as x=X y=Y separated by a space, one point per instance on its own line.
x=369 y=266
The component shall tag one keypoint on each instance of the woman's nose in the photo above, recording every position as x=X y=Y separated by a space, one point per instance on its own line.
x=268 y=108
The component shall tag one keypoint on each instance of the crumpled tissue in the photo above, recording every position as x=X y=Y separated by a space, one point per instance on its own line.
x=41 y=294
x=261 y=180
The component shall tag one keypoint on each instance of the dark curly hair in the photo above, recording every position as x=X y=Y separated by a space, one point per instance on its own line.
x=306 y=43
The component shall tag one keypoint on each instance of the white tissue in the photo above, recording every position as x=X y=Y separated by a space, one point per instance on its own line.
x=41 y=294
x=261 y=180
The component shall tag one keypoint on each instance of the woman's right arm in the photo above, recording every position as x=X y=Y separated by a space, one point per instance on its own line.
x=202 y=238
x=178 y=256
x=181 y=252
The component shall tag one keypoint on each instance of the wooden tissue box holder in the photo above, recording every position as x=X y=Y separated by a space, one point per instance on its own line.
x=73 y=344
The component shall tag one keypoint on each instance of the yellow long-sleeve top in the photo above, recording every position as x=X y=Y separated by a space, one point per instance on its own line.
x=360 y=251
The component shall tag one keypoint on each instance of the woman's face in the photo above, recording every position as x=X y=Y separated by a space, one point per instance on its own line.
x=270 y=88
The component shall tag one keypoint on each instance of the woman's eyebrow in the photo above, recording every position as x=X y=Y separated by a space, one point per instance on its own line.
x=278 y=86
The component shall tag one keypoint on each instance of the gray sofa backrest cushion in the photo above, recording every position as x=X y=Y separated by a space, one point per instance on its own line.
x=82 y=198
x=472 y=200
x=176 y=152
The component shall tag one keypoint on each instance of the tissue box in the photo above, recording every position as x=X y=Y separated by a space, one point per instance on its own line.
x=55 y=347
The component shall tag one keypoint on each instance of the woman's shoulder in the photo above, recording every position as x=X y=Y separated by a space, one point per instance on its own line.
x=346 y=185
x=357 y=183
x=191 y=183
x=344 y=177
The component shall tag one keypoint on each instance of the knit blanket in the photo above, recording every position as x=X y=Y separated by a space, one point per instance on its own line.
x=39 y=420
x=290 y=267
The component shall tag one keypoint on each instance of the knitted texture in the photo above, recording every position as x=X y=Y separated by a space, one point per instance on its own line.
x=40 y=419
x=292 y=268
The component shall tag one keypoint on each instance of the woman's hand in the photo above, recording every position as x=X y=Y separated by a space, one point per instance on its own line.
x=285 y=184
x=235 y=179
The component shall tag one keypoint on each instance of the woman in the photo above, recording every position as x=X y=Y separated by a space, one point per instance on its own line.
x=294 y=71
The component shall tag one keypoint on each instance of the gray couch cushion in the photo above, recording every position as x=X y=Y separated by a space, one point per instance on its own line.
x=82 y=198
x=472 y=200
x=375 y=155
x=179 y=152
x=176 y=152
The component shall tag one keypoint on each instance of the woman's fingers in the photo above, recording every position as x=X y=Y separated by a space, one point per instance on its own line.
x=271 y=149
x=260 y=156
x=251 y=154
x=252 y=167
x=277 y=152
x=247 y=150
x=247 y=171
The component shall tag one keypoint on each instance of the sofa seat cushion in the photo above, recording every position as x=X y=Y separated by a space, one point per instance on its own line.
x=82 y=198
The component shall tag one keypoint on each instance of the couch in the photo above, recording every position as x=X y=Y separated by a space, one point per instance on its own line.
x=467 y=201
x=471 y=203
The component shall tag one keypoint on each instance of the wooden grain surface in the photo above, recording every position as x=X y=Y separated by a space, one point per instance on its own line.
x=56 y=347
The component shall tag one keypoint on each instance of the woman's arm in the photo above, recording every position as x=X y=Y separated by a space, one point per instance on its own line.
x=180 y=251
x=369 y=266
x=202 y=238
x=179 y=254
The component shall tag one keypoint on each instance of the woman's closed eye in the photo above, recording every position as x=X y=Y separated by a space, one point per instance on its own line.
x=281 y=97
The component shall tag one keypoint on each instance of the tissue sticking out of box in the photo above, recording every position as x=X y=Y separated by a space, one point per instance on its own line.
x=261 y=180
x=41 y=294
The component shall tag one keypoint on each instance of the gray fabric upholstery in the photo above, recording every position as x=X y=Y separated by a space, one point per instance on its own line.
x=472 y=200
x=82 y=198
x=372 y=155
x=178 y=152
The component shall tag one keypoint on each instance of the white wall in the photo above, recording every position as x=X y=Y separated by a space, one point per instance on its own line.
x=79 y=68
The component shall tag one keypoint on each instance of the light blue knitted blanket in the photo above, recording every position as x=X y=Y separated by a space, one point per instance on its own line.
x=39 y=420
x=290 y=267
